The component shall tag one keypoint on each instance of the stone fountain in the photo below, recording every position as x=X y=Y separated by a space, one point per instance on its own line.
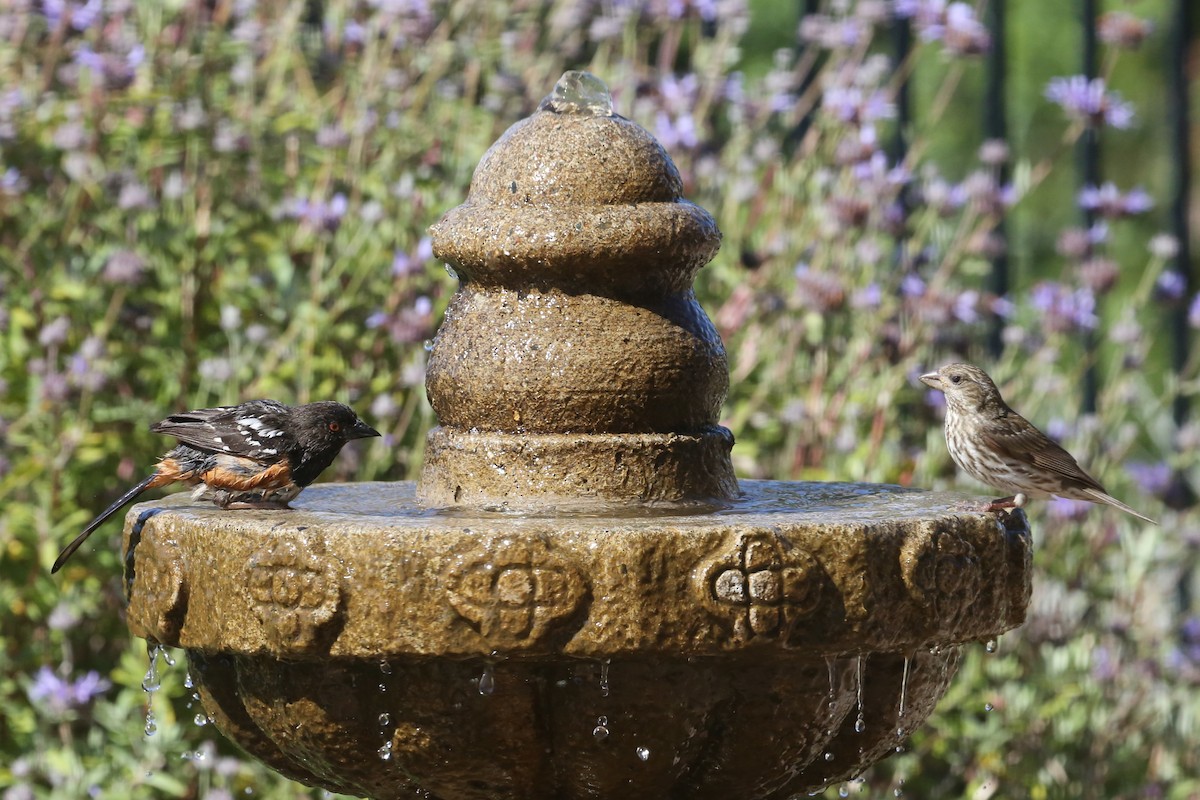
x=577 y=600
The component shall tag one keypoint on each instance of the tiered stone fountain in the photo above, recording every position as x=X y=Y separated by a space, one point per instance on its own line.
x=577 y=600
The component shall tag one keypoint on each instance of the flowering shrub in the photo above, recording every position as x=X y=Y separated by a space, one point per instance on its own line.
x=207 y=202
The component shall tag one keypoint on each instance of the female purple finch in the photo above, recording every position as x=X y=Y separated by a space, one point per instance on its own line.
x=997 y=446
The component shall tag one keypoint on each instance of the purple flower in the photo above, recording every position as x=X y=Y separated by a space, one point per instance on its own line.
x=870 y=296
x=1062 y=308
x=966 y=306
x=1065 y=509
x=833 y=34
x=54 y=333
x=59 y=694
x=1152 y=478
x=11 y=182
x=317 y=214
x=1110 y=202
x=1089 y=101
x=1170 y=286
x=912 y=286
x=852 y=104
x=1194 y=312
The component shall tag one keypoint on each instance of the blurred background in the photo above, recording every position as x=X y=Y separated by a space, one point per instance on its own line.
x=206 y=202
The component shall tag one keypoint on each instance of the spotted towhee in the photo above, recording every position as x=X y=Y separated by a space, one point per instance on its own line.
x=259 y=454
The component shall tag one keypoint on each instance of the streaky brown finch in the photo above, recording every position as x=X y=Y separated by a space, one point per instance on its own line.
x=997 y=446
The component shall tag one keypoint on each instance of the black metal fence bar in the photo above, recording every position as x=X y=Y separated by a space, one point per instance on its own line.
x=995 y=127
x=1183 y=29
x=1088 y=154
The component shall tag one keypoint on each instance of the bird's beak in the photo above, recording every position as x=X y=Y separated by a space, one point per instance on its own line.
x=361 y=430
x=932 y=380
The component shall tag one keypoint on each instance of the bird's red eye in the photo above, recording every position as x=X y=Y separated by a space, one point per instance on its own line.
x=335 y=427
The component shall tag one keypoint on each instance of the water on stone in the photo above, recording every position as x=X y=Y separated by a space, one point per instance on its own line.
x=579 y=92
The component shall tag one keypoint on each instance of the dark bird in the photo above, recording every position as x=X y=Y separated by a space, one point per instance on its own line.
x=259 y=454
x=997 y=446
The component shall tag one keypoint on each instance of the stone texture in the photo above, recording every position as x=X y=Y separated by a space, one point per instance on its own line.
x=574 y=360
x=695 y=635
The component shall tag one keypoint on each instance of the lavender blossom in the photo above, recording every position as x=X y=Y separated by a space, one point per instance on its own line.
x=1110 y=202
x=1170 y=286
x=1064 y=309
x=59 y=695
x=317 y=214
x=1090 y=101
x=1152 y=478
x=1194 y=312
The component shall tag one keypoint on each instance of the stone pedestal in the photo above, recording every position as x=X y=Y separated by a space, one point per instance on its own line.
x=578 y=600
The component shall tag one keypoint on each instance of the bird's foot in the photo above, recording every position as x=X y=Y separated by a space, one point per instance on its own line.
x=1006 y=504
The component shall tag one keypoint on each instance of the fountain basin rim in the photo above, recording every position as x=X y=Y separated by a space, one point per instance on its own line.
x=333 y=580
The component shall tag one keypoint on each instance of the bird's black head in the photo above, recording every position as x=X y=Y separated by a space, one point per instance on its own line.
x=327 y=425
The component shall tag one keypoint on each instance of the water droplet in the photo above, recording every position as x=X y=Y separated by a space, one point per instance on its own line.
x=904 y=685
x=579 y=92
x=450 y=271
x=899 y=749
x=167 y=657
x=843 y=791
x=385 y=719
x=988 y=706
x=385 y=752
x=200 y=719
x=829 y=756
x=601 y=729
x=151 y=723
x=643 y=753
x=151 y=683
x=604 y=686
x=385 y=667
x=860 y=724
x=187 y=681
x=428 y=345
x=898 y=792
x=990 y=646
x=487 y=682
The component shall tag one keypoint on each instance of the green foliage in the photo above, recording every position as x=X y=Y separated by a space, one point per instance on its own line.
x=206 y=202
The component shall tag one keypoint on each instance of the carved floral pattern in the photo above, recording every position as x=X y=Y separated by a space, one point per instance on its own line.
x=517 y=594
x=762 y=585
x=295 y=592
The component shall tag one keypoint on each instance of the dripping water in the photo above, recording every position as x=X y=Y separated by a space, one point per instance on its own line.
x=151 y=683
x=487 y=681
x=860 y=723
x=604 y=677
x=903 y=700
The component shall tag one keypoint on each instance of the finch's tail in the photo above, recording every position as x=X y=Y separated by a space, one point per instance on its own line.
x=1101 y=497
x=155 y=479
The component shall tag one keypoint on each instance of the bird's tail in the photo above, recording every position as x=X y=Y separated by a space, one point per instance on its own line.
x=153 y=480
x=1101 y=497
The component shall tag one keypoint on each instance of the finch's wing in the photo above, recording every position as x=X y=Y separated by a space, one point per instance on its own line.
x=1018 y=440
x=257 y=429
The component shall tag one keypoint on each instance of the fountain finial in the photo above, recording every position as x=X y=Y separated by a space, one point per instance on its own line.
x=574 y=362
